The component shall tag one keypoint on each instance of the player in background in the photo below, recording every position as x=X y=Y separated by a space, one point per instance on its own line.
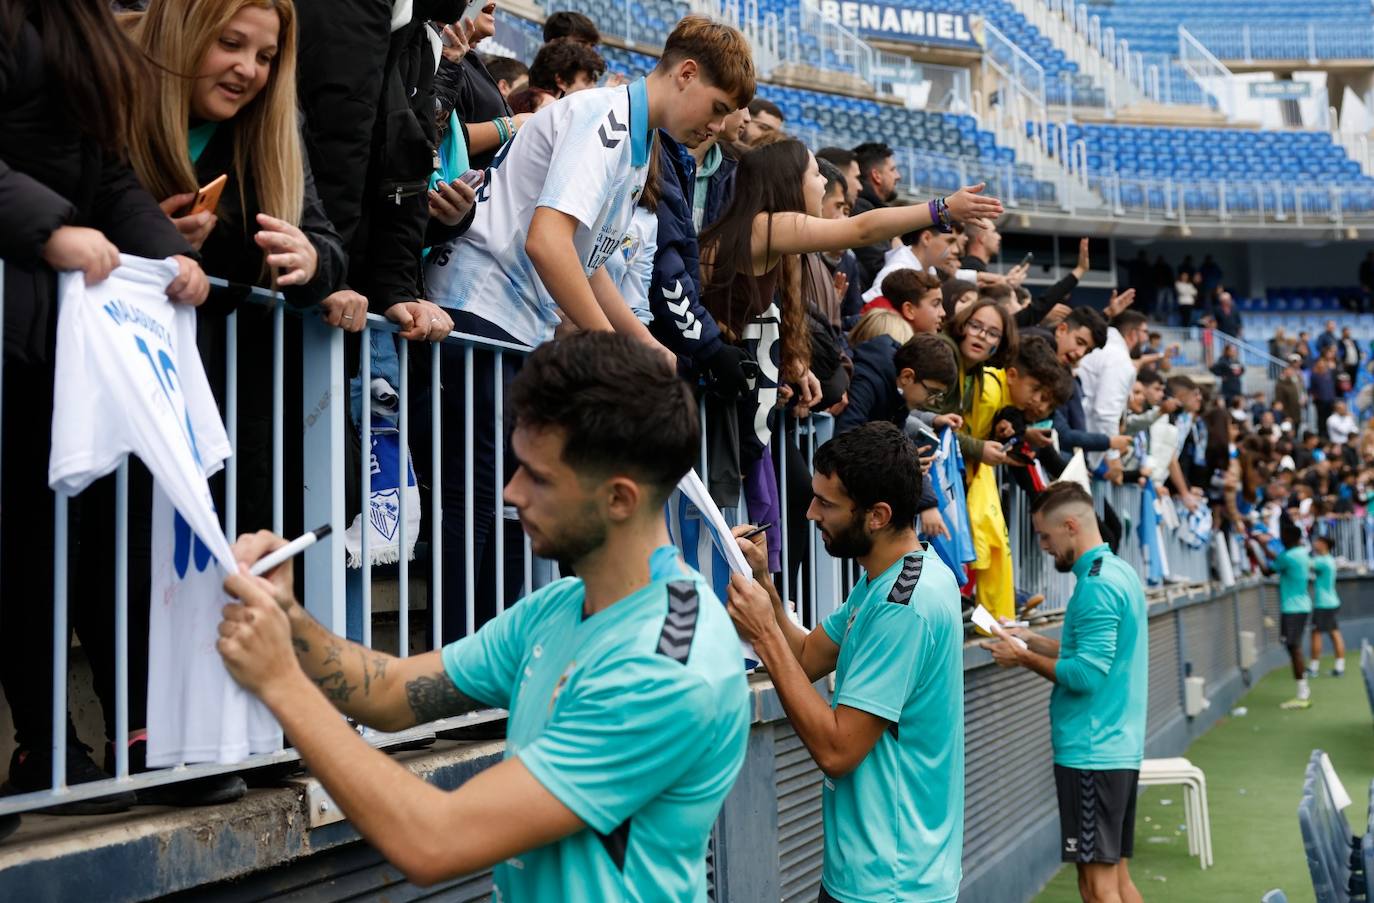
x=1325 y=605
x=1294 y=567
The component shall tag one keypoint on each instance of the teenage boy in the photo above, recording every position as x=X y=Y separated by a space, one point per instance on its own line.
x=557 y=200
x=891 y=739
x=629 y=712
x=1294 y=567
x=1325 y=605
x=1100 y=670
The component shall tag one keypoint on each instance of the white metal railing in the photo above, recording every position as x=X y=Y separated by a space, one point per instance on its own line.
x=1210 y=74
x=1064 y=23
x=1018 y=82
x=1296 y=40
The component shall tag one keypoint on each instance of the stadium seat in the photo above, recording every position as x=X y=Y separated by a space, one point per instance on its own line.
x=1274 y=896
x=1334 y=856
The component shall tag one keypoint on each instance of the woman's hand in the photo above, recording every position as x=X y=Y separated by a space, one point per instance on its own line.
x=993 y=452
x=456 y=44
x=810 y=389
x=451 y=202
x=953 y=421
x=288 y=249
x=191 y=285
x=345 y=309
x=196 y=227
x=79 y=248
x=969 y=203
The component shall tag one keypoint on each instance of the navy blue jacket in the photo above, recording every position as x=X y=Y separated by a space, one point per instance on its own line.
x=873 y=394
x=680 y=322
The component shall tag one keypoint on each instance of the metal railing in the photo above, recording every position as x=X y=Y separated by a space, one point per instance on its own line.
x=1208 y=72
x=1295 y=40
x=1017 y=83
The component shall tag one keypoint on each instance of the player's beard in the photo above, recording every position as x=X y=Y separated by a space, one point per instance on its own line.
x=573 y=538
x=1063 y=561
x=850 y=542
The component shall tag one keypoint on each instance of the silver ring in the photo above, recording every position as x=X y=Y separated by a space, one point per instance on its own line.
x=348 y=316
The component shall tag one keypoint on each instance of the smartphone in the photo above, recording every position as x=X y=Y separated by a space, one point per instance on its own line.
x=472 y=178
x=207 y=199
x=1025 y=261
x=470 y=14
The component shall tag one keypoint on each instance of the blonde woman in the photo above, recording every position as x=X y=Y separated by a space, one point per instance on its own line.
x=225 y=104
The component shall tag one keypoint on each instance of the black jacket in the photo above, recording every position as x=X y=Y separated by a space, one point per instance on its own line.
x=368 y=99
x=680 y=322
x=468 y=89
x=873 y=394
x=230 y=253
x=51 y=176
x=870 y=257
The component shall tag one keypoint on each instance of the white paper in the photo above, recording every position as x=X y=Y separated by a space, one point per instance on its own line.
x=696 y=493
x=1339 y=797
x=983 y=620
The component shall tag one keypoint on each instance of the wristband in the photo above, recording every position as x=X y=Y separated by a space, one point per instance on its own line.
x=502 y=133
x=939 y=215
x=512 y=126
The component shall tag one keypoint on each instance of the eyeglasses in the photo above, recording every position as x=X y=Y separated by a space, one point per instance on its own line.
x=992 y=334
x=933 y=396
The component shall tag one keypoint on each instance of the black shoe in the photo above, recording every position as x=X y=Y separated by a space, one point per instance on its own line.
x=31 y=770
x=207 y=791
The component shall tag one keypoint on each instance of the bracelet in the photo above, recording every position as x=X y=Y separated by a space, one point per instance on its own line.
x=511 y=126
x=502 y=133
x=939 y=215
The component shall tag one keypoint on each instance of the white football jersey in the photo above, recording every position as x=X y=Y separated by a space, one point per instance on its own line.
x=586 y=155
x=129 y=379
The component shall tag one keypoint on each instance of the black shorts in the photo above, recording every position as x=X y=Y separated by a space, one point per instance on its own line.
x=1291 y=628
x=1096 y=814
x=1324 y=619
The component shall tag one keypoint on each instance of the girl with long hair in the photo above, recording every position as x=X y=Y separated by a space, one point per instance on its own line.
x=68 y=201
x=983 y=336
x=752 y=278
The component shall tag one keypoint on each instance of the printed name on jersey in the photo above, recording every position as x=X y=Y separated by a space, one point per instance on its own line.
x=616 y=128
x=607 y=241
x=122 y=313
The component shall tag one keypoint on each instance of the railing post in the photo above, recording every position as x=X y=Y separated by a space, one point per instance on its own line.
x=324 y=397
x=1245 y=43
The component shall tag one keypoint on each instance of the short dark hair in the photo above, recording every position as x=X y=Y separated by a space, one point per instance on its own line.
x=875 y=463
x=836 y=156
x=833 y=177
x=1090 y=317
x=561 y=60
x=1324 y=540
x=928 y=357
x=1178 y=384
x=506 y=68
x=906 y=286
x=578 y=384
x=1037 y=359
x=760 y=105
x=1128 y=319
x=871 y=154
x=1290 y=534
x=1060 y=495
x=1149 y=376
x=568 y=24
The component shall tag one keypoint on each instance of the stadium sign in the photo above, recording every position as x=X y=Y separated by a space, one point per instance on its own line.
x=892 y=22
x=1280 y=90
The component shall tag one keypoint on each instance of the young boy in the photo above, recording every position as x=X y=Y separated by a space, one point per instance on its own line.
x=1294 y=567
x=1327 y=603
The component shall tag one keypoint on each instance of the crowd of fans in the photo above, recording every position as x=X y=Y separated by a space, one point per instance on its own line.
x=784 y=281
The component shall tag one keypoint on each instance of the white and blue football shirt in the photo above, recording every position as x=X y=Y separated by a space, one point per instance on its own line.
x=587 y=156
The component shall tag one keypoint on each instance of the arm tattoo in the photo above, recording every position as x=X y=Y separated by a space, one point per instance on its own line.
x=301 y=645
x=335 y=686
x=436 y=697
x=332 y=654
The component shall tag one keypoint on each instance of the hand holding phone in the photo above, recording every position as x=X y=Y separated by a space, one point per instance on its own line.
x=473 y=177
x=207 y=199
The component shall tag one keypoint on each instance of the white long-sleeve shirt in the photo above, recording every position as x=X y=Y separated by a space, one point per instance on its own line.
x=1106 y=375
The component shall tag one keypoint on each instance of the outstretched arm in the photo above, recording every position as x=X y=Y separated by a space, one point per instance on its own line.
x=797 y=233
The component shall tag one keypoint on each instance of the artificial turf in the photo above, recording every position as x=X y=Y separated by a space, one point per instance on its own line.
x=1254 y=766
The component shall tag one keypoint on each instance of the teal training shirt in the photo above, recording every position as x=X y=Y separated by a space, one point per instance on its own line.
x=1324 y=574
x=1294 y=567
x=894 y=826
x=1097 y=707
x=635 y=718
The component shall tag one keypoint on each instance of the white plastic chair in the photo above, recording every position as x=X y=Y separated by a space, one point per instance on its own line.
x=1179 y=771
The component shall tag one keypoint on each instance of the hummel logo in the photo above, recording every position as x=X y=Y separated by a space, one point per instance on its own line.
x=616 y=129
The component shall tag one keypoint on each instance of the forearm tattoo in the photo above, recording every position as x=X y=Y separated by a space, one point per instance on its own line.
x=435 y=697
